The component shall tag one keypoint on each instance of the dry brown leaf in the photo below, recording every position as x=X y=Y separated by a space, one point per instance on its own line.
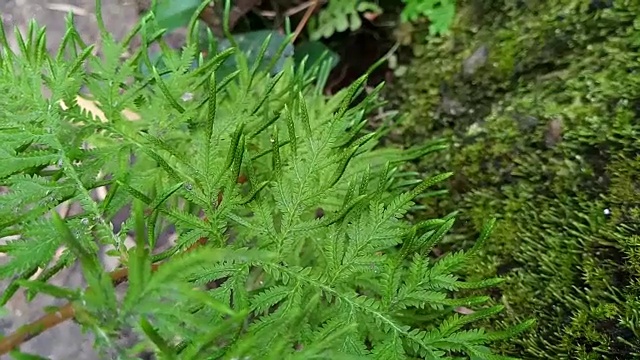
x=92 y=107
x=464 y=310
x=76 y=10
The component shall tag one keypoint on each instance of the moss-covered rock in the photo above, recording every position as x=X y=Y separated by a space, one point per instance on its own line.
x=541 y=100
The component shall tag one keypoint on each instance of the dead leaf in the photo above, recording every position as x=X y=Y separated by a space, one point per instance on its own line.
x=92 y=107
x=76 y=10
x=464 y=310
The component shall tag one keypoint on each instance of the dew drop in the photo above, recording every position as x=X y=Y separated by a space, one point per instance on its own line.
x=607 y=212
x=84 y=221
x=188 y=186
x=187 y=96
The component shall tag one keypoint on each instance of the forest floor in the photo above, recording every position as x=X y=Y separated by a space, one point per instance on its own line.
x=66 y=341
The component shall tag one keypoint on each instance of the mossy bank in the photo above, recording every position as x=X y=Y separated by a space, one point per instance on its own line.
x=541 y=102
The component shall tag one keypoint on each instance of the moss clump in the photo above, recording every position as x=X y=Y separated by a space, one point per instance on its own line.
x=541 y=100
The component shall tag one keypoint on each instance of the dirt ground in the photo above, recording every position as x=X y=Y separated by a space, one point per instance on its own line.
x=65 y=341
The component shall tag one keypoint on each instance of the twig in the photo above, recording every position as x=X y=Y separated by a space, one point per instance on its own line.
x=305 y=19
x=291 y=11
x=34 y=329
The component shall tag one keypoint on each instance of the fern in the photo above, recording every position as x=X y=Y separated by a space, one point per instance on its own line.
x=439 y=12
x=345 y=15
x=339 y=16
x=291 y=241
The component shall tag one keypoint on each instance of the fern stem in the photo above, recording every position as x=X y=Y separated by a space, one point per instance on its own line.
x=37 y=327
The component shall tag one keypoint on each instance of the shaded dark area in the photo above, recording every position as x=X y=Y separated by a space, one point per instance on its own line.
x=358 y=52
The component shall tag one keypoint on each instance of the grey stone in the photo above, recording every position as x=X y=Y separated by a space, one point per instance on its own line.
x=526 y=122
x=475 y=61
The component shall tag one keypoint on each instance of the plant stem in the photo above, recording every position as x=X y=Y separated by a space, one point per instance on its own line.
x=307 y=15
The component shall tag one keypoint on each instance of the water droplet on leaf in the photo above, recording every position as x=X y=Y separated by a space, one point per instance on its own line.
x=187 y=96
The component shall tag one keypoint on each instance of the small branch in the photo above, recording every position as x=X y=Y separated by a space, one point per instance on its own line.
x=29 y=331
x=315 y=4
x=290 y=12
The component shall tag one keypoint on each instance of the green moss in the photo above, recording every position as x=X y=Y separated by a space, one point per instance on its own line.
x=545 y=135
